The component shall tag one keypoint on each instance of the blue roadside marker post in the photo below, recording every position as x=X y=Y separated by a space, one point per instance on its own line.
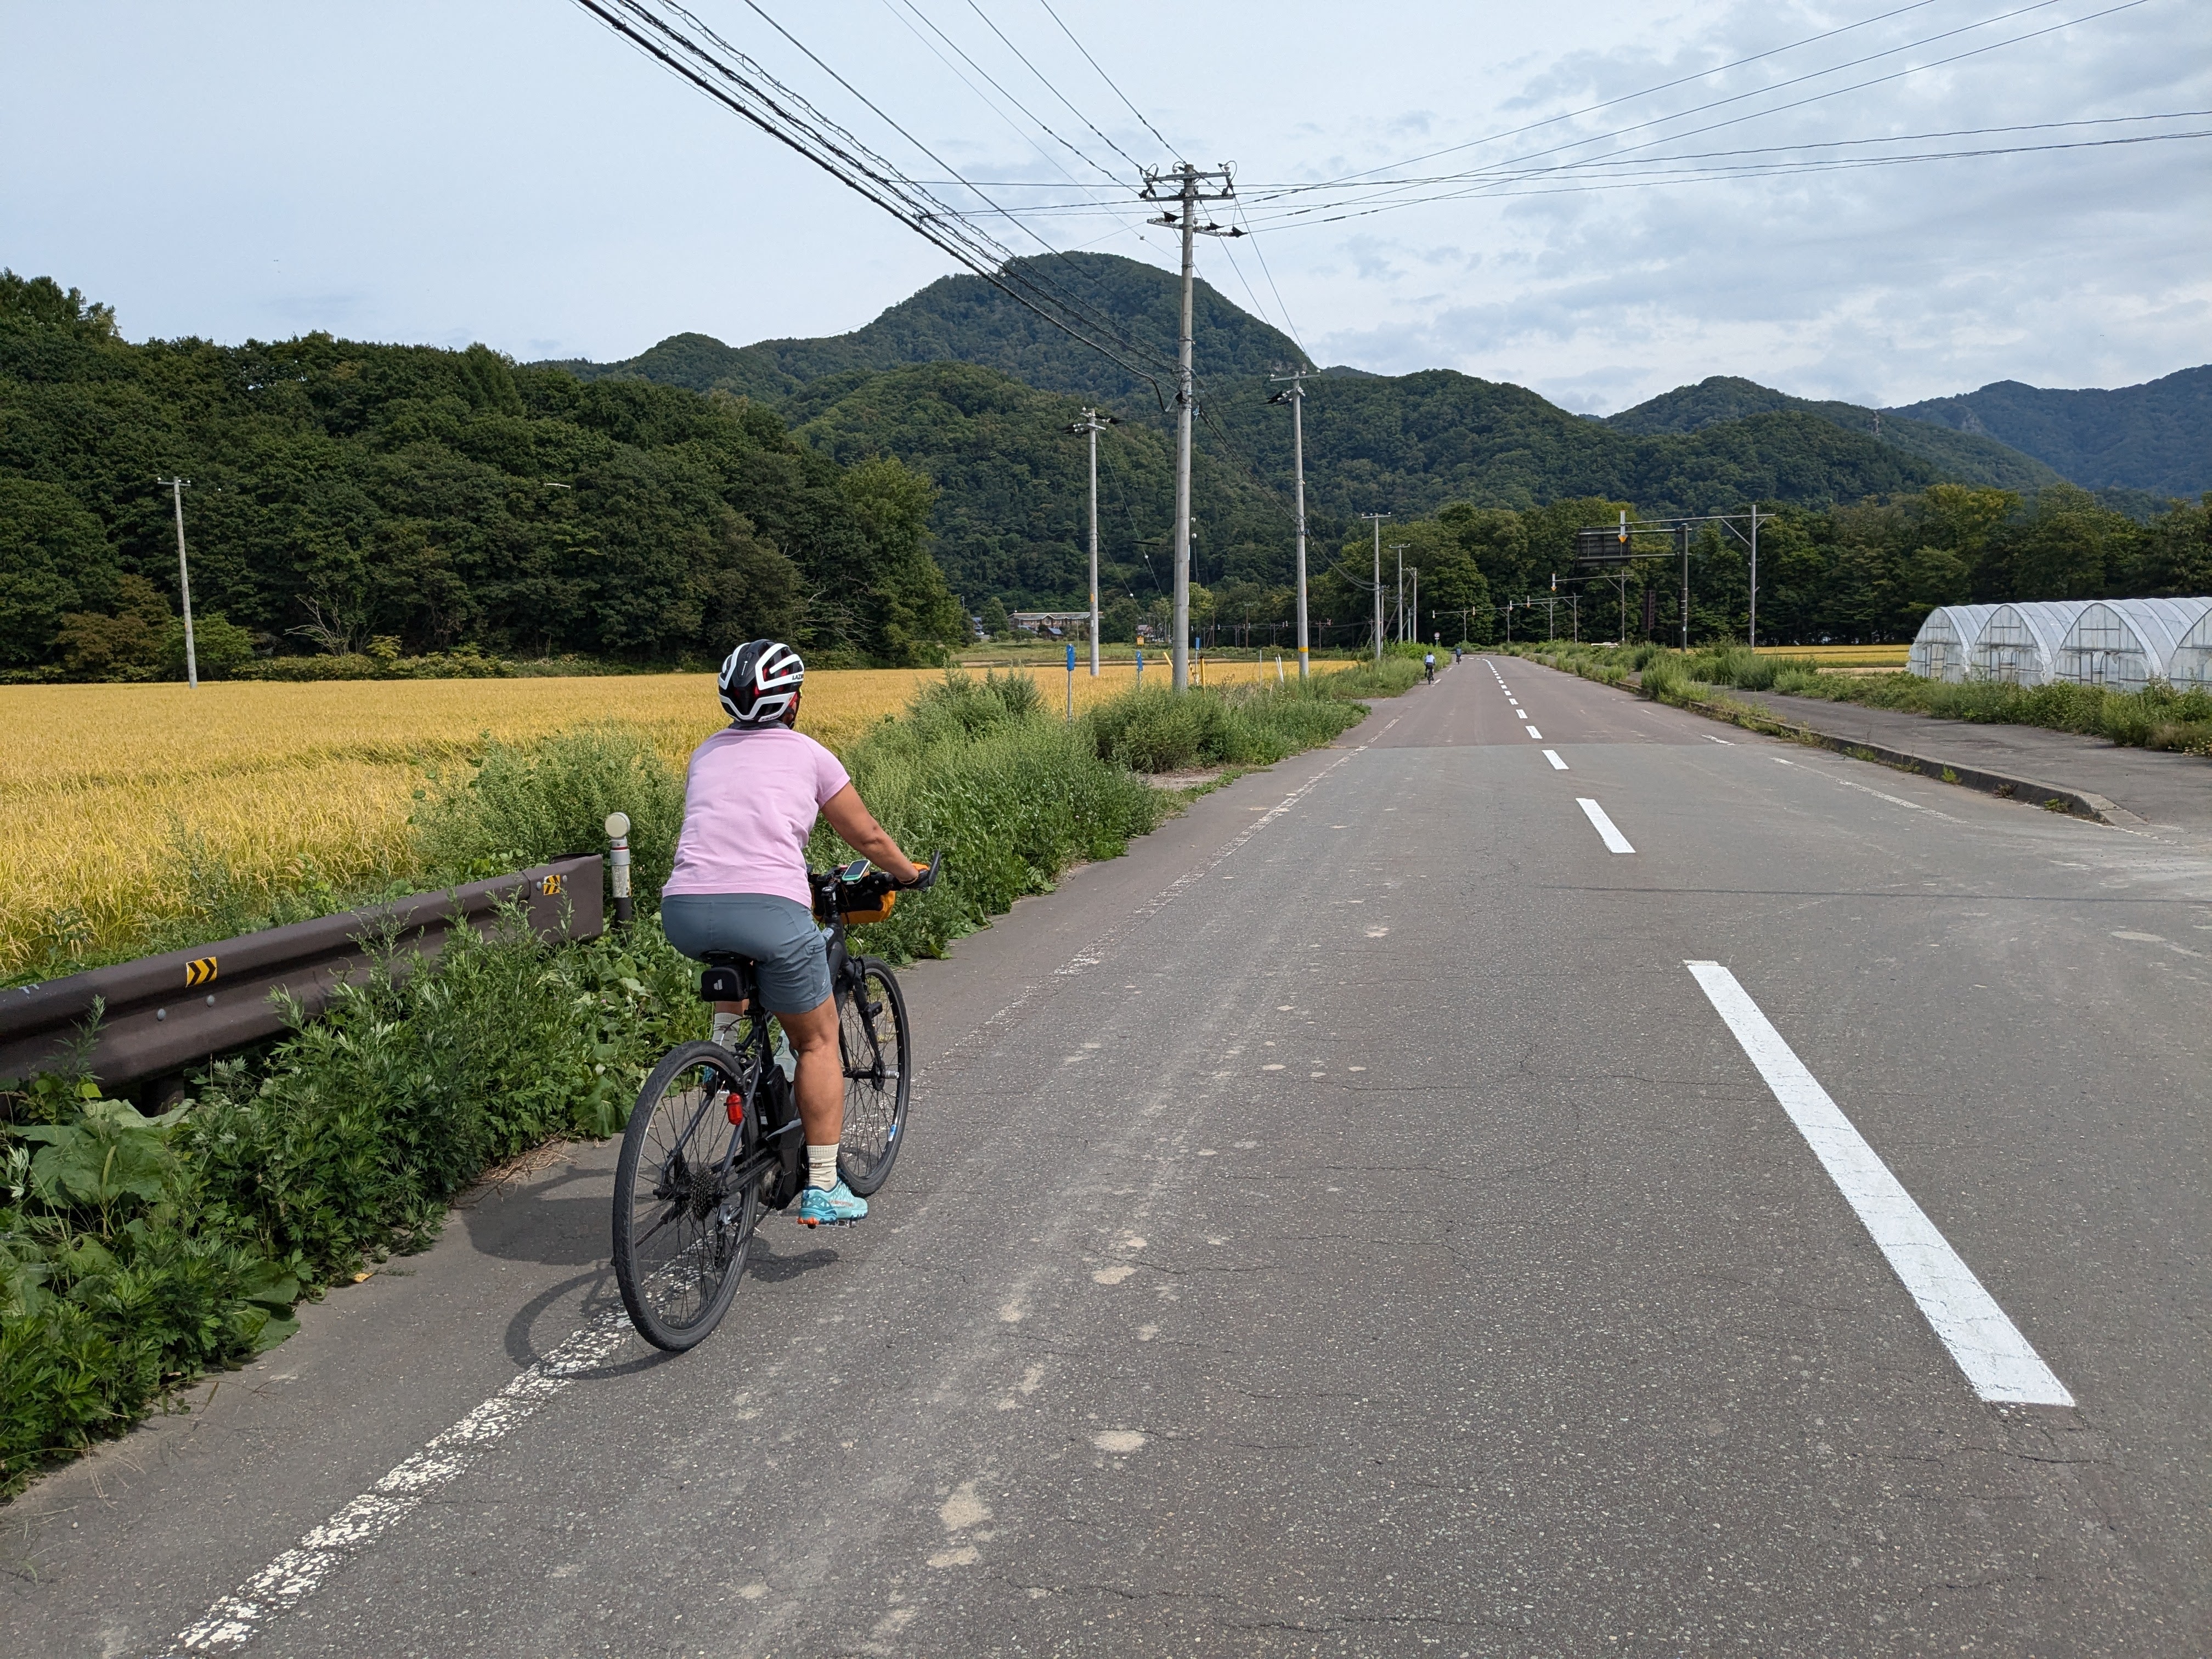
x=1140 y=665
x=1070 y=681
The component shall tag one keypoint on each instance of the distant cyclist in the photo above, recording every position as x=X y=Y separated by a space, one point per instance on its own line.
x=739 y=885
x=1429 y=666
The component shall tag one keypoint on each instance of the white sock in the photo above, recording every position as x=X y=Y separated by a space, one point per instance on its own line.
x=822 y=1164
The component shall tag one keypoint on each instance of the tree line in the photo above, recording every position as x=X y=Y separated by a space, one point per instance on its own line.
x=1866 y=572
x=348 y=497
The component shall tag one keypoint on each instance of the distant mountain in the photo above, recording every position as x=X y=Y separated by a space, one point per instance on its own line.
x=966 y=320
x=2156 y=436
x=1410 y=443
x=975 y=389
x=1965 y=455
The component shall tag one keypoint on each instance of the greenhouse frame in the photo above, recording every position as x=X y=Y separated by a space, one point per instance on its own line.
x=2190 y=668
x=2126 y=644
x=2019 y=643
x=1941 y=649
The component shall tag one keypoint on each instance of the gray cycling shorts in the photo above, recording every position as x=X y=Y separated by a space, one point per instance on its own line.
x=779 y=935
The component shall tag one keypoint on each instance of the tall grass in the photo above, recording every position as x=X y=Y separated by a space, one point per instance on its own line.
x=136 y=1252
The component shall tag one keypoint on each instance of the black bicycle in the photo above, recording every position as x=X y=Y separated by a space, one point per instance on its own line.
x=715 y=1141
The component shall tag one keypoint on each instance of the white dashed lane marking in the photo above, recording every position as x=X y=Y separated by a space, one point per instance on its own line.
x=1988 y=1346
x=1614 y=840
x=1553 y=755
x=1533 y=733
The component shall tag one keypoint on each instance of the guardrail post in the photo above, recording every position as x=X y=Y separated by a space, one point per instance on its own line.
x=618 y=866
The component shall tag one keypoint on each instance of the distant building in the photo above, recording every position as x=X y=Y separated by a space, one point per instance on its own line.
x=1051 y=624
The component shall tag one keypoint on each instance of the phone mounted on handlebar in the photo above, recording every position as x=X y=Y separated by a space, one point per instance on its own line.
x=861 y=894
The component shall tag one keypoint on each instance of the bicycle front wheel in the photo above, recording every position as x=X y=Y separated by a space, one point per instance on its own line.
x=687 y=1198
x=871 y=1038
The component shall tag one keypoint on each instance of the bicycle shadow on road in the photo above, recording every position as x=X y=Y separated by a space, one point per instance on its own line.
x=537 y=1223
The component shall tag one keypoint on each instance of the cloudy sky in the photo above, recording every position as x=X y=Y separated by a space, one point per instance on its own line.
x=509 y=171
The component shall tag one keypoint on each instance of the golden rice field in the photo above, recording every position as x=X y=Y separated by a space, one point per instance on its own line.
x=99 y=784
x=1843 y=656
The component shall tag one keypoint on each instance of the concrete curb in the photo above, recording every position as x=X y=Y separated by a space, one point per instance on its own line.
x=2053 y=796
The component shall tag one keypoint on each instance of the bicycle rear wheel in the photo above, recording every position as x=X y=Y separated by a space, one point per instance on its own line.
x=685 y=1204
x=872 y=1040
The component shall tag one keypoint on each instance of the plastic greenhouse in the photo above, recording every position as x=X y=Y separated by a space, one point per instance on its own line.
x=1940 y=649
x=2127 y=643
x=2019 y=643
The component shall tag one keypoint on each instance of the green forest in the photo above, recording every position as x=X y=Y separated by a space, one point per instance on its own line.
x=349 y=498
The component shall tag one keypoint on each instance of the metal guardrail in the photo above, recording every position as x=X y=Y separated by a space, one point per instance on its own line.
x=162 y=1012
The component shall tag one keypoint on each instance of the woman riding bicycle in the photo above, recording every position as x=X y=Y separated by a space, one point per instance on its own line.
x=739 y=885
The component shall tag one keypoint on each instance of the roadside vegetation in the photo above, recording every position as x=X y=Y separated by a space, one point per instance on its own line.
x=139 y=1251
x=2158 y=717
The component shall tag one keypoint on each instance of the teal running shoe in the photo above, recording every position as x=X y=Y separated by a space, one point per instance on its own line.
x=831 y=1207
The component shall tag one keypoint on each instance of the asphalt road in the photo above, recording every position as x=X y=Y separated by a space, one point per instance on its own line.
x=1345 y=1226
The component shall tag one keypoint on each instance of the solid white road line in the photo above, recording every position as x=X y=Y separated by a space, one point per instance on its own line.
x=1533 y=733
x=1710 y=737
x=1614 y=840
x=298 y=1572
x=1553 y=755
x=1987 y=1345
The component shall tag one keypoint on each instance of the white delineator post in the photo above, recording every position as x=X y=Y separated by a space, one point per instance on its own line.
x=618 y=865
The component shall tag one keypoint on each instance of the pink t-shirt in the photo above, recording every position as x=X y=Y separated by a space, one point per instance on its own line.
x=749 y=802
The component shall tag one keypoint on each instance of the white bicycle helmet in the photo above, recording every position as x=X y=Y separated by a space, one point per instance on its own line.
x=759 y=681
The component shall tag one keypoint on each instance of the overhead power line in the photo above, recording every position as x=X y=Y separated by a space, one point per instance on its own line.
x=1047 y=85
x=1383 y=189
x=1566 y=182
x=1630 y=97
x=1046 y=127
x=745 y=88
x=1110 y=81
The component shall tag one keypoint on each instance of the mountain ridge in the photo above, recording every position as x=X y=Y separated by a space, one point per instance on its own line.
x=964 y=318
x=1966 y=455
x=2156 y=435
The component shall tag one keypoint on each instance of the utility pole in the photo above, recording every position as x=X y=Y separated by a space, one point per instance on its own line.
x=1416 y=617
x=1683 y=531
x=1753 y=628
x=1094 y=423
x=1184 y=185
x=176 y=488
x=1295 y=397
x=1377 y=518
x=1398 y=623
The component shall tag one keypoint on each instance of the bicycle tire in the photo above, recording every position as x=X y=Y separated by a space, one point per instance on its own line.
x=676 y=1291
x=879 y=1076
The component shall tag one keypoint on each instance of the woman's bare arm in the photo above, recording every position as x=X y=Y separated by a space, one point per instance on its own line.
x=849 y=816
